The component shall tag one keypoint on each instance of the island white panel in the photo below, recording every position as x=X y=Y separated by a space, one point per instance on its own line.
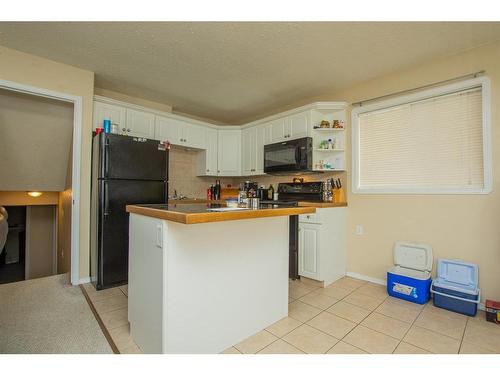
x=225 y=281
x=145 y=285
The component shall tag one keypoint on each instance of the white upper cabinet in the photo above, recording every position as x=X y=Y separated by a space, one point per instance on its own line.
x=298 y=125
x=194 y=135
x=179 y=132
x=168 y=129
x=289 y=127
x=248 y=149
x=207 y=159
x=252 y=149
x=229 y=153
x=277 y=130
x=105 y=111
x=139 y=124
x=261 y=140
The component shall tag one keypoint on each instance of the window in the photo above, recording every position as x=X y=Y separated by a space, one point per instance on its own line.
x=433 y=142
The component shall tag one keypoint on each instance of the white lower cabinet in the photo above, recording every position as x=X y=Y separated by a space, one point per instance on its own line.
x=308 y=250
x=322 y=244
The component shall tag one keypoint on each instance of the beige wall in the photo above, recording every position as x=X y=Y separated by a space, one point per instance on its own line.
x=40 y=241
x=35 y=141
x=21 y=198
x=182 y=175
x=456 y=226
x=39 y=72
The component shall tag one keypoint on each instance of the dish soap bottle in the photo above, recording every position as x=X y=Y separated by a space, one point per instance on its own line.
x=270 y=193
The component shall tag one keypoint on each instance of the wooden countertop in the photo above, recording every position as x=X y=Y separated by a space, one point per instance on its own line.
x=322 y=204
x=196 y=213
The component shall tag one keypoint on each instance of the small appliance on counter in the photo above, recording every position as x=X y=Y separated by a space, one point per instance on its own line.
x=410 y=278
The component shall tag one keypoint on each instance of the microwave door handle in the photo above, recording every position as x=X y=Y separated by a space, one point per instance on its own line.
x=297 y=156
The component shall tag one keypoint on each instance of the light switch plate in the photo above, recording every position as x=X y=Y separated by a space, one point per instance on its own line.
x=359 y=229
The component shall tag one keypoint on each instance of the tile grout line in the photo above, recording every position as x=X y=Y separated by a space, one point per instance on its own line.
x=413 y=325
x=463 y=335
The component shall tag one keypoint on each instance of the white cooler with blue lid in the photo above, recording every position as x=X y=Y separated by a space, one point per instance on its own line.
x=410 y=278
x=456 y=286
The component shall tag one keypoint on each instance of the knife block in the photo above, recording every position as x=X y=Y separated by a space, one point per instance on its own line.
x=338 y=195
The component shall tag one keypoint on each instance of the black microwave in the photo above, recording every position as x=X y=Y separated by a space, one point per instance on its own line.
x=290 y=157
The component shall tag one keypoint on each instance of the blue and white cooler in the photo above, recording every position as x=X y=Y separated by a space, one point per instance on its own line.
x=456 y=286
x=410 y=278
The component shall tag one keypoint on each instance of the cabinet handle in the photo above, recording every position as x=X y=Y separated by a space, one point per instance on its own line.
x=128 y=130
x=208 y=170
x=218 y=171
x=124 y=129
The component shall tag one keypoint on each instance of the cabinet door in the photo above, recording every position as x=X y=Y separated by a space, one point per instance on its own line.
x=211 y=152
x=298 y=125
x=104 y=111
x=140 y=124
x=229 y=153
x=168 y=129
x=277 y=130
x=248 y=150
x=309 y=250
x=193 y=135
x=260 y=141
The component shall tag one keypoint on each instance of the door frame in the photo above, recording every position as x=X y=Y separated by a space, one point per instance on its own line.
x=76 y=162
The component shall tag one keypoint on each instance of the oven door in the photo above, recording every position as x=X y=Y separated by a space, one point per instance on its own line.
x=288 y=157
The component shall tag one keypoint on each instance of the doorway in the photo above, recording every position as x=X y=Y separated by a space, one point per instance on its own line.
x=66 y=205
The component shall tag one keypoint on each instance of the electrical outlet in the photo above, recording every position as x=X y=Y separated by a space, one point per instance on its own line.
x=359 y=229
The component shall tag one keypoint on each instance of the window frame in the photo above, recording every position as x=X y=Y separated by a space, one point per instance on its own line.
x=482 y=82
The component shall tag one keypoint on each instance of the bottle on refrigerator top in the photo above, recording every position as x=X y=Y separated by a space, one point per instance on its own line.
x=106 y=124
x=209 y=193
x=270 y=193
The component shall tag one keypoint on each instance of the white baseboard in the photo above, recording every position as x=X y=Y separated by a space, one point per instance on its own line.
x=83 y=280
x=384 y=282
x=366 y=278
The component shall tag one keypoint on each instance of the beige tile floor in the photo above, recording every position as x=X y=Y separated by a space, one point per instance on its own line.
x=111 y=306
x=356 y=317
x=349 y=316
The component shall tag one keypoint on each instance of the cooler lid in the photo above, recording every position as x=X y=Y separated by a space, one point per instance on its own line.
x=458 y=272
x=413 y=255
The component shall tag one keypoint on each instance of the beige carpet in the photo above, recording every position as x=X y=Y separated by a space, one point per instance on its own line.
x=48 y=315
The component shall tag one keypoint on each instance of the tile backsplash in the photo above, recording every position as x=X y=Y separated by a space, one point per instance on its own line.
x=182 y=176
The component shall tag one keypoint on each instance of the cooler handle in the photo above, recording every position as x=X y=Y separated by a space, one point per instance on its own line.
x=455 y=297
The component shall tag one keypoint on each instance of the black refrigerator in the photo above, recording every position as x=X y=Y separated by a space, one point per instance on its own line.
x=125 y=170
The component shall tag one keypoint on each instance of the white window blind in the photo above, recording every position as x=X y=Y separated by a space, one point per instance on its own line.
x=432 y=145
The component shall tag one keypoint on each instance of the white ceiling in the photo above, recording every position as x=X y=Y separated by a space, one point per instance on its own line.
x=236 y=72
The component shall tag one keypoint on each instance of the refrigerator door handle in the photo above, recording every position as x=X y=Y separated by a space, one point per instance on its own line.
x=106 y=200
x=106 y=158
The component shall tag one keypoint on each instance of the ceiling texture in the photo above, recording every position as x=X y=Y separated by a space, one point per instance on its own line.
x=235 y=72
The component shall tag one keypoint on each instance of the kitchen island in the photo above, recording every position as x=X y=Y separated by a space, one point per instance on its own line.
x=200 y=280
